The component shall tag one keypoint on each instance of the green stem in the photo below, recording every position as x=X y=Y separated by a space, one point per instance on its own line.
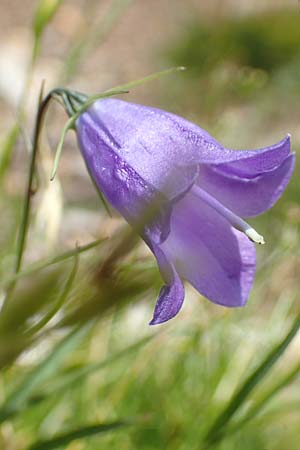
x=43 y=264
x=21 y=242
x=29 y=190
x=60 y=300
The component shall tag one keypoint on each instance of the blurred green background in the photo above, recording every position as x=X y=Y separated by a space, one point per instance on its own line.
x=80 y=368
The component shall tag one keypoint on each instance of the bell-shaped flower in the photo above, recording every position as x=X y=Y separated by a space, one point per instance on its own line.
x=137 y=154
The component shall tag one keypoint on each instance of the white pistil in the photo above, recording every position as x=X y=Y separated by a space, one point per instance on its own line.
x=232 y=218
x=254 y=236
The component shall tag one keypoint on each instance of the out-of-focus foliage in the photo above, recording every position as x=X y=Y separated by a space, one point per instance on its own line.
x=43 y=14
x=251 y=61
x=170 y=388
x=266 y=41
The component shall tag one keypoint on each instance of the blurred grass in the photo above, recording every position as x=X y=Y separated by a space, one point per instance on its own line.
x=265 y=41
x=250 y=62
x=178 y=382
x=75 y=349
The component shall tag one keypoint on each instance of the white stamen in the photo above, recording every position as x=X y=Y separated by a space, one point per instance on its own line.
x=232 y=218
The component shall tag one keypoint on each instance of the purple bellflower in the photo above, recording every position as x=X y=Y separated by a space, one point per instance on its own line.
x=136 y=154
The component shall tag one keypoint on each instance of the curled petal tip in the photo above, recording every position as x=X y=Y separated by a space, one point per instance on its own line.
x=160 y=320
x=155 y=322
x=287 y=139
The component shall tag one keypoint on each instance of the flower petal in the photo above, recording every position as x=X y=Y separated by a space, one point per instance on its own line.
x=143 y=141
x=165 y=149
x=216 y=259
x=171 y=295
x=122 y=186
x=250 y=163
x=246 y=197
x=151 y=131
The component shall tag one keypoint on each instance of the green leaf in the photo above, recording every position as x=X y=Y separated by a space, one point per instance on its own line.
x=84 y=432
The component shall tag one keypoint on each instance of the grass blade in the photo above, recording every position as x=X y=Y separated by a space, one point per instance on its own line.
x=45 y=11
x=60 y=300
x=18 y=398
x=43 y=264
x=70 y=380
x=7 y=149
x=215 y=431
x=80 y=433
x=80 y=373
x=259 y=405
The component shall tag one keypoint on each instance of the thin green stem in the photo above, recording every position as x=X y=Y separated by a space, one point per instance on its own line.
x=60 y=299
x=40 y=265
x=21 y=242
x=29 y=190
